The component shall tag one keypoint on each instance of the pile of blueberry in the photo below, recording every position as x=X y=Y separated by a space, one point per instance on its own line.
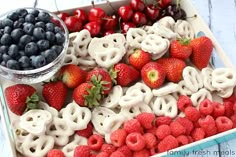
x=29 y=39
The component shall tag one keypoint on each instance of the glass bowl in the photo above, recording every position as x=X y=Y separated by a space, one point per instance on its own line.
x=45 y=72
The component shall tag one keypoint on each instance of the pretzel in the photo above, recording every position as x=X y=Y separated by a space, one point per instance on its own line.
x=108 y=138
x=135 y=36
x=72 y=37
x=167 y=22
x=70 y=57
x=76 y=117
x=142 y=88
x=166 y=89
x=118 y=40
x=112 y=100
x=148 y=29
x=45 y=106
x=223 y=78
x=192 y=78
x=86 y=63
x=35 y=121
x=199 y=96
x=184 y=29
x=131 y=98
x=184 y=89
x=68 y=149
x=98 y=116
x=207 y=78
x=165 y=106
x=81 y=42
x=164 y=32
x=225 y=93
x=113 y=123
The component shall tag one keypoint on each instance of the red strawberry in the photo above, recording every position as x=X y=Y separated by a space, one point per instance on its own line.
x=55 y=94
x=21 y=97
x=202 y=50
x=180 y=49
x=173 y=68
x=72 y=75
x=153 y=74
x=124 y=75
x=100 y=77
x=86 y=94
x=139 y=58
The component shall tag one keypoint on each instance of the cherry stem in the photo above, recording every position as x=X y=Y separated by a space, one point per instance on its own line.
x=93 y=4
x=109 y=3
x=194 y=16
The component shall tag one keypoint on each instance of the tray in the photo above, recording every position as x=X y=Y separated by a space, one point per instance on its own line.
x=200 y=28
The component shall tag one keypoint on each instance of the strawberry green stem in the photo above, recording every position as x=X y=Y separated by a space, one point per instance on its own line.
x=32 y=102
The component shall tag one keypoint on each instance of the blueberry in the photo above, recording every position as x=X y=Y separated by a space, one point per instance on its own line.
x=50 y=36
x=7 y=30
x=43 y=44
x=3 y=63
x=31 y=49
x=16 y=34
x=58 y=29
x=18 y=24
x=13 y=64
x=30 y=18
x=25 y=39
x=13 y=16
x=22 y=52
x=50 y=26
x=40 y=24
x=1 y=32
x=22 y=12
x=50 y=55
x=38 y=61
x=34 y=12
x=28 y=28
x=57 y=48
x=43 y=16
x=6 y=39
x=22 y=20
x=24 y=61
x=3 y=49
x=1 y=25
x=13 y=51
x=5 y=57
x=60 y=38
x=39 y=33
x=7 y=22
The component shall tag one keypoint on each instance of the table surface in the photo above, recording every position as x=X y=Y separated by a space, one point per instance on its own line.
x=219 y=15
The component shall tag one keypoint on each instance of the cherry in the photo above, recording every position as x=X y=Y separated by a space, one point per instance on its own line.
x=137 y=5
x=63 y=16
x=139 y=18
x=163 y=3
x=96 y=14
x=152 y=12
x=73 y=24
x=125 y=12
x=110 y=22
x=108 y=32
x=125 y=26
x=81 y=14
x=93 y=27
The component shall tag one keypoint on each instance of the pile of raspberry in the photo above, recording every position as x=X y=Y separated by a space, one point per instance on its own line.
x=147 y=134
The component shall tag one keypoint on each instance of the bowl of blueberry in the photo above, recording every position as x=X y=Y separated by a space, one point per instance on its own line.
x=33 y=44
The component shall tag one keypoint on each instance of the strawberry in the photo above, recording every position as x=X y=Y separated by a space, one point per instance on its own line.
x=72 y=75
x=153 y=74
x=202 y=50
x=123 y=74
x=55 y=94
x=173 y=68
x=139 y=58
x=180 y=49
x=100 y=77
x=21 y=97
x=86 y=94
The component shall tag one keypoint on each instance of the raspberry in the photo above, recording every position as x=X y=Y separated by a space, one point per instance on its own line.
x=141 y=153
x=198 y=134
x=132 y=125
x=219 y=110
x=152 y=130
x=234 y=107
x=183 y=102
x=126 y=151
x=186 y=123
x=153 y=151
x=231 y=99
x=102 y=154
x=206 y=122
x=233 y=118
x=117 y=154
x=177 y=129
x=190 y=139
x=223 y=124
x=168 y=143
x=146 y=119
x=135 y=141
x=210 y=131
x=55 y=153
x=182 y=139
x=206 y=107
x=93 y=155
x=118 y=137
x=150 y=140
x=82 y=151
x=192 y=114
x=163 y=120
x=86 y=132
x=163 y=131
x=95 y=142
x=108 y=148
x=229 y=108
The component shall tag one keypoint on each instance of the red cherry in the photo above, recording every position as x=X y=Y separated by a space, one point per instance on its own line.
x=93 y=27
x=125 y=26
x=81 y=14
x=163 y=3
x=152 y=12
x=110 y=22
x=73 y=24
x=108 y=32
x=125 y=12
x=96 y=14
x=63 y=16
x=137 y=5
x=139 y=18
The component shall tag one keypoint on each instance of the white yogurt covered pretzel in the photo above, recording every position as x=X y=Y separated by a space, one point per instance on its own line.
x=167 y=22
x=225 y=93
x=223 y=78
x=164 y=32
x=70 y=57
x=184 y=89
x=112 y=100
x=86 y=63
x=131 y=98
x=135 y=36
x=166 y=89
x=113 y=122
x=72 y=37
x=199 y=96
x=184 y=29
x=118 y=40
x=207 y=78
x=45 y=106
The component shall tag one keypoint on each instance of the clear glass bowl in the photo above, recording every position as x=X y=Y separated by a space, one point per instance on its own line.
x=42 y=73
